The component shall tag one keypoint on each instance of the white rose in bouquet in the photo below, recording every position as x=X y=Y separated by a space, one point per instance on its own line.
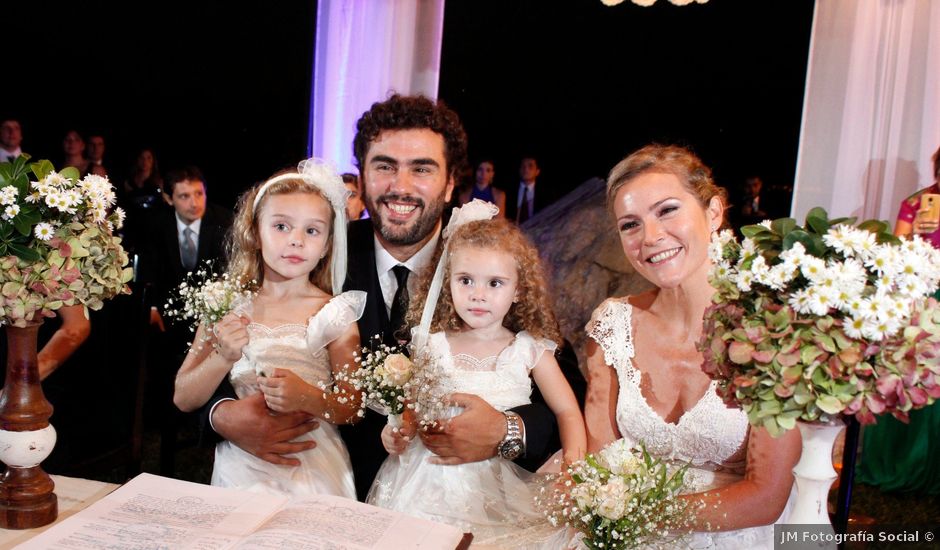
x=397 y=369
x=612 y=498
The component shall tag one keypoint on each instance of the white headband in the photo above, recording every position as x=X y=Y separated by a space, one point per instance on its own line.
x=474 y=210
x=320 y=174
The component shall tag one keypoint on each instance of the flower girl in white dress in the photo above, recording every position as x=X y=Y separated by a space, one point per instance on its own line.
x=289 y=237
x=494 y=329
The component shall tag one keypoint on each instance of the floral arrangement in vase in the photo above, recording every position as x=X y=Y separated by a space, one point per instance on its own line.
x=810 y=323
x=618 y=498
x=57 y=246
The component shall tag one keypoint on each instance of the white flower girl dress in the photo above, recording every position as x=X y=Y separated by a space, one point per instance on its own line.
x=489 y=498
x=325 y=469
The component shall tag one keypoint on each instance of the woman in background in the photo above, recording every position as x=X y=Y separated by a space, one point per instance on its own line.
x=906 y=457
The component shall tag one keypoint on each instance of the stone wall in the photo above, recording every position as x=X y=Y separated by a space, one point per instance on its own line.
x=578 y=242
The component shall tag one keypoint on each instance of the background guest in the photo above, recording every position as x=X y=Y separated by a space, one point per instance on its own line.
x=95 y=152
x=527 y=199
x=354 y=205
x=483 y=189
x=11 y=136
x=73 y=148
x=177 y=241
x=897 y=456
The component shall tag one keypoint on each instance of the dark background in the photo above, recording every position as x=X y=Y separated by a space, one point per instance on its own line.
x=226 y=85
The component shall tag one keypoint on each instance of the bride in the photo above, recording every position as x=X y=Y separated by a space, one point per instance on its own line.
x=645 y=380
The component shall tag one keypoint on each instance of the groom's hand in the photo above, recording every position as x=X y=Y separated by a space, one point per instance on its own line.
x=470 y=436
x=249 y=424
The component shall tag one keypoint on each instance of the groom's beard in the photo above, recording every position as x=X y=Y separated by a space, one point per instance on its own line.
x=429 y=214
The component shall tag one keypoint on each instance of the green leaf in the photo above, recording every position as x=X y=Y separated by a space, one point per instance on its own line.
x=829 y=404
x=817 y=212
x=820 y=225
x=41 y=168
x=71 y=173
x=874 y=226
x=25 y=253
x=846 y=221
x=782 y=226
x=818 y=247
x=751 y=231
x=22 y=225
x=797 y=236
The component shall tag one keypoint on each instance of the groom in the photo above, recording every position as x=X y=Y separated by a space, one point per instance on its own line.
x=409 y=151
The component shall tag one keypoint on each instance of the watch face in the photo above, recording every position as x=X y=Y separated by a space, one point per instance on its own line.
x=511 y=449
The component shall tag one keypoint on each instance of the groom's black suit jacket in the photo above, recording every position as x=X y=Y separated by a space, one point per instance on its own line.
x=364 y=438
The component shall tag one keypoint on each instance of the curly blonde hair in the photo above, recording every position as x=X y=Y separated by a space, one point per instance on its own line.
x=532 y=311
x=243 y=242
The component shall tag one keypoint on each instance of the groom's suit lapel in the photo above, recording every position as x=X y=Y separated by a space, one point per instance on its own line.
x=362 y=276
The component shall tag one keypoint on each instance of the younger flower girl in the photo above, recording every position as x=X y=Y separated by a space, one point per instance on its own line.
x=493 y=329
x=290 y=237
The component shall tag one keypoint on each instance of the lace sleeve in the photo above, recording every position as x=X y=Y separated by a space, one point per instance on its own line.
x=334 y=318
x=610 y=328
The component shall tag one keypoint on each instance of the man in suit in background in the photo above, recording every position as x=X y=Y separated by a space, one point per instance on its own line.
x=180 y=240
x=11 y=136
x=527 y=199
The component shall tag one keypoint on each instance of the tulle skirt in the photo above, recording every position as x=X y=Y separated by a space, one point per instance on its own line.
x=490 y=498
x=325 y=469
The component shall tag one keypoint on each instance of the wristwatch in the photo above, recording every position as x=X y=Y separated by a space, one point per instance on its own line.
x=511 y=446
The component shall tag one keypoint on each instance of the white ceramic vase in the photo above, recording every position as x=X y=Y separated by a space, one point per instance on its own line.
x=814 y=473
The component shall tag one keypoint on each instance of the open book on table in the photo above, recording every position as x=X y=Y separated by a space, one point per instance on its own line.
x=159 y=512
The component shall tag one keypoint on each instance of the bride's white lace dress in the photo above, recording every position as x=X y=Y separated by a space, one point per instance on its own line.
x=325 y=469
x=705 y=437
x=491 y=497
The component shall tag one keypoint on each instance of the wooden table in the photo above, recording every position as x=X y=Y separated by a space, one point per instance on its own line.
x=74 y=494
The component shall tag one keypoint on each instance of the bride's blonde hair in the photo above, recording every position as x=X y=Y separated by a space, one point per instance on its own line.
x=670 y=159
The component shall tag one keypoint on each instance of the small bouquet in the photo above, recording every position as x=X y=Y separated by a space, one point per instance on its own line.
x=619 y=498
x=383 y=377
x=812 y=322
x=205 y=297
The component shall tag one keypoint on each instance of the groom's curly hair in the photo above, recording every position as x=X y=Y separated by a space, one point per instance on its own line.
x=417 y=112
x=532 y=309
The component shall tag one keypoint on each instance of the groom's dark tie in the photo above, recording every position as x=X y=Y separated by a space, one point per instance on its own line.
x=400 y=303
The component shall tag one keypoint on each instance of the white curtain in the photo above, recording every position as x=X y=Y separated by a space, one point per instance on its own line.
x=365 y=50
x=871 y=112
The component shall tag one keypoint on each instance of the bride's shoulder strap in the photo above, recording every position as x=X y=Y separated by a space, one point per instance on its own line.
x=611 y=327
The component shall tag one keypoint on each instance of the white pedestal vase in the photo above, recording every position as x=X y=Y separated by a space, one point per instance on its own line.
x=814 y=473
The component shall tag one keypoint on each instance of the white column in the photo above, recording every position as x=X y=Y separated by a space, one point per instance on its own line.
x=871 y=111
x=366 y=50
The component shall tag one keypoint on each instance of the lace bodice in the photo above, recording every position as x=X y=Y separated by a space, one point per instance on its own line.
x=707 y=435
x=300 y=348
x=505 y=385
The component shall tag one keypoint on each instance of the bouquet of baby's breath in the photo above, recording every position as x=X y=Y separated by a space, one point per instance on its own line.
x=57 y=246
x=620 y=498
x=812 y=322
x=382 y=375
x=205 y=297
x=391 y=382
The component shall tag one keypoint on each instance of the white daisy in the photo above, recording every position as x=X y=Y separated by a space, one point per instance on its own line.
x=43 y=231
